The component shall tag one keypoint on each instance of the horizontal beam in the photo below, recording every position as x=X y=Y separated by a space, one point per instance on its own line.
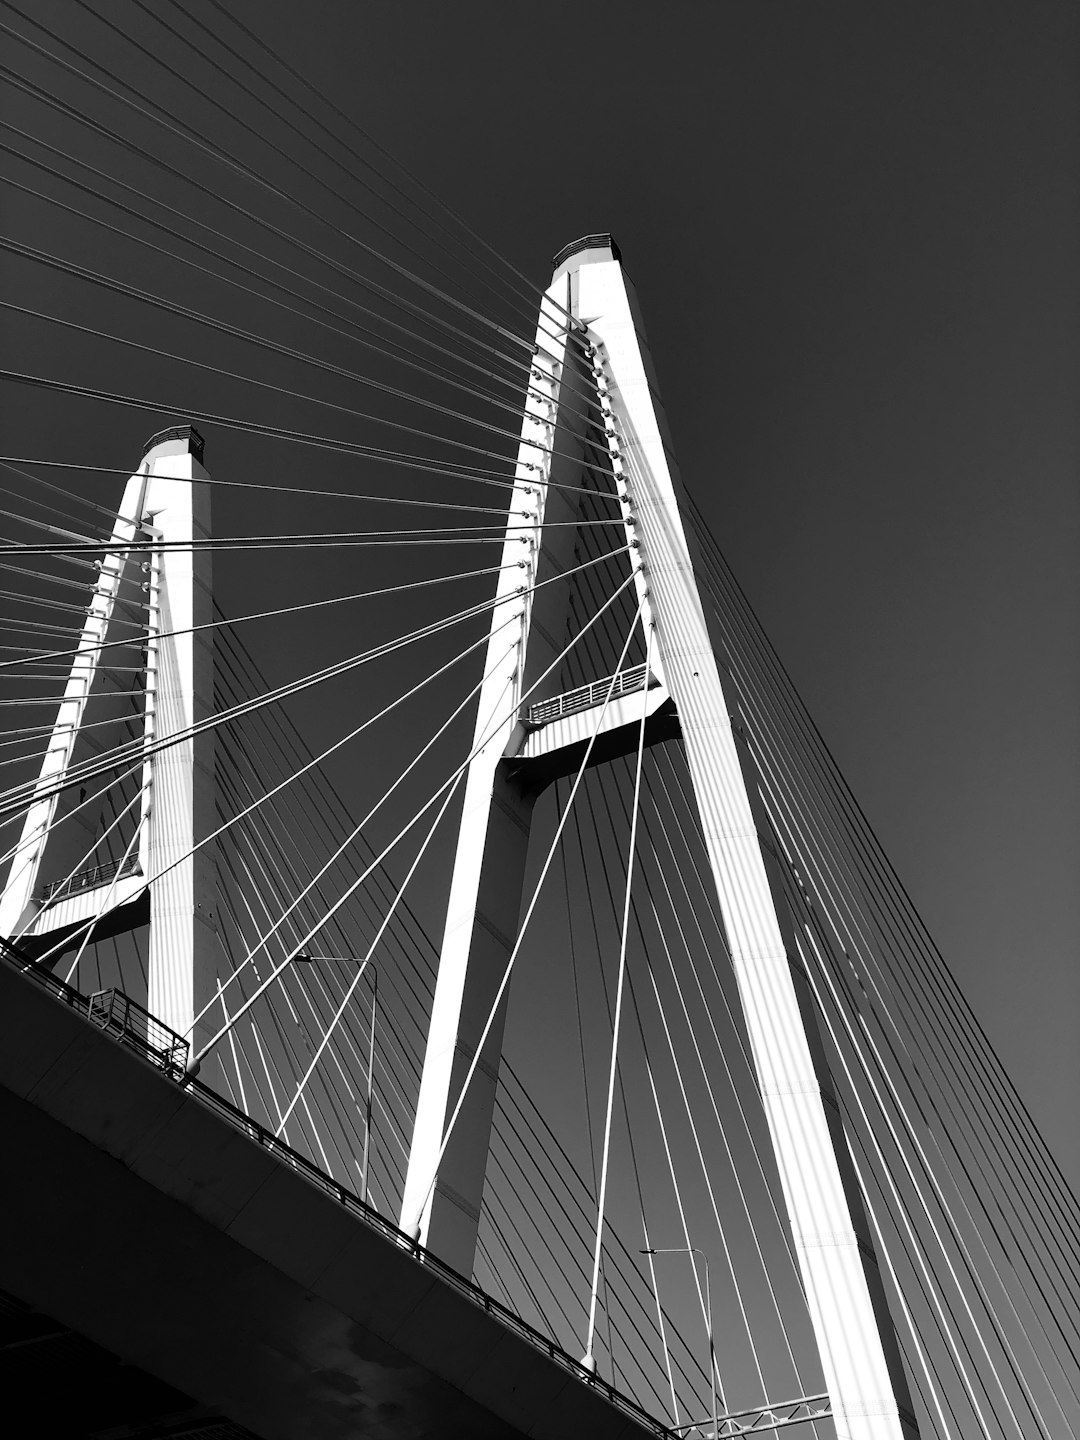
x=557 y=749
x=67 y=921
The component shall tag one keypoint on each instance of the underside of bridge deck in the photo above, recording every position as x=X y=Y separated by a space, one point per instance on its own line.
x=212 y=1289
x=72 y=1387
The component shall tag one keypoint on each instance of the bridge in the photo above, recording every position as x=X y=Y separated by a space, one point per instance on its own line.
x=448 y=987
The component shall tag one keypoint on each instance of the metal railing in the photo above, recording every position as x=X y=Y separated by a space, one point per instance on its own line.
x=133 y=1025
x=89 y=879
x=572 y=702
x=761 y=1420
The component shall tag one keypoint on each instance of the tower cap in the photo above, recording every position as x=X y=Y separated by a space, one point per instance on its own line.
x=587 y=242
x=186 y=433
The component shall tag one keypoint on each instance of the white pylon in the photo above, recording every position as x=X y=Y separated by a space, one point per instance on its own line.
x=848 y=1307
x=165 y=508
x=485 y=889
x=510 y=767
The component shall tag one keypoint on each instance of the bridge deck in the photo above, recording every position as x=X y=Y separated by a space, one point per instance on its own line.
x=161 y=1226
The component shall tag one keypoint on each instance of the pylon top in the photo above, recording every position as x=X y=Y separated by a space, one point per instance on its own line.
x=190 y=441
x=603 y=243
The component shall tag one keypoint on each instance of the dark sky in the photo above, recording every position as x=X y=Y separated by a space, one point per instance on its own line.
x=853 y=229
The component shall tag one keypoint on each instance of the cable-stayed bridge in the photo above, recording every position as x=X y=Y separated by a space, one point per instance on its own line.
x=449 y=987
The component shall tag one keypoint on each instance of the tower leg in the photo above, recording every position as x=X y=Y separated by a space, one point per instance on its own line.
x=163 y=509
x=17 y=904
x=481 y=926
x=182 y=883
x=847 y=1300
x=846 y=1297
x=442 y=1199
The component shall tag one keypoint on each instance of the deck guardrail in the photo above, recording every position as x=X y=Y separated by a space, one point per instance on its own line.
x=134 y=1026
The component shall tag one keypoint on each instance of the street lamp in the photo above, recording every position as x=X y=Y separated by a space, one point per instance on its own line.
x=304 y=958
x=696 y=1250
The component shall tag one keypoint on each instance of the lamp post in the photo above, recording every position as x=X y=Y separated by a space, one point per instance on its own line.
x=304 y=957
x=370 y=1083
x=696 y=1250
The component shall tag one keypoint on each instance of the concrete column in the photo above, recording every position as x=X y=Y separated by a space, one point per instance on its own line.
x=489 y=866
x=182 y=902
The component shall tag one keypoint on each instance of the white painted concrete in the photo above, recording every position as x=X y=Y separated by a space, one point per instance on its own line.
x=182 y=901
x=17 y=905
x=847 y=1302
x=161 y=504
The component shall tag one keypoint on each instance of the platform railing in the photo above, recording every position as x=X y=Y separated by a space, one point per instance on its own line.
x=89 y=879
x=585 y=697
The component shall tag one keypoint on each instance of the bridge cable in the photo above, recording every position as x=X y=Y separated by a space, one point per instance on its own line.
x=887 y=1076
x=991 y=1318
x=925 y=946
x=261 y=342
x=561 y=1164
x=276 y=612
x=699 y=1149
x=236 y=84
x=528 y=289
x=281 y=885
x=982 y=1193
x=428 y=804
x=716 y=1114
x=118 y=757
x=421 y=851
x=287 y=745
x=569 y=380
x=403 y=355
x=260 y=135
x=616 y=1030
x=254 y=427
x=142 y=756
x=262 y=848
x=313 y=930
x=592 y=910
x=213 y=482
x=857 y=942
x=336 y=193
x=612 y=904
x=938 y=1392
x=522 y=928
x=221 y=719
x=13 y=462
x=1043 y=1329
x=222 y=373
x=194 y=138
